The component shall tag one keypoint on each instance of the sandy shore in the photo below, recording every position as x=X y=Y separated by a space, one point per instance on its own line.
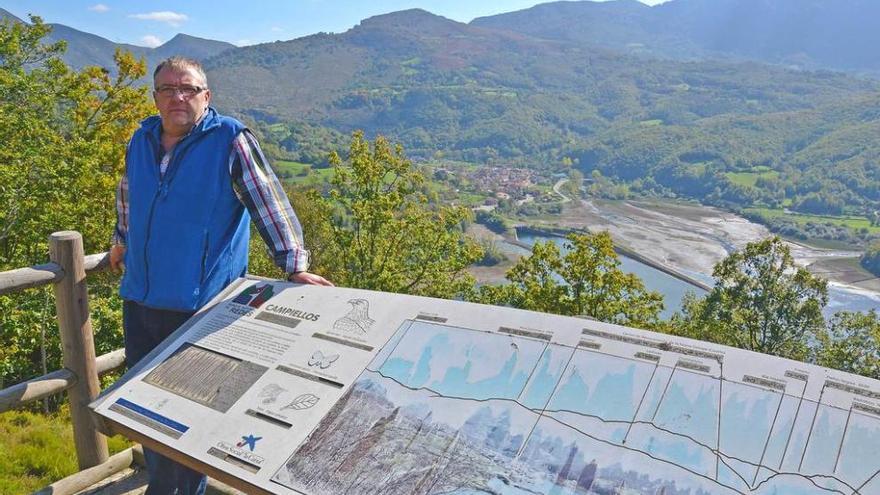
x=693 y=238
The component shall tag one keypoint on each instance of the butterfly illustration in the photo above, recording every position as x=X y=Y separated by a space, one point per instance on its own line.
x=321 y=360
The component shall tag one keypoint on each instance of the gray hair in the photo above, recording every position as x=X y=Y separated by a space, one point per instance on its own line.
x=181 y=64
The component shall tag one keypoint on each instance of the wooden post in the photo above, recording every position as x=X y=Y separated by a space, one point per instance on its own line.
x=75 y=325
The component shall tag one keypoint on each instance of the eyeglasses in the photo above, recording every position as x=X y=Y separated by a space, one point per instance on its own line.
x=186 y=91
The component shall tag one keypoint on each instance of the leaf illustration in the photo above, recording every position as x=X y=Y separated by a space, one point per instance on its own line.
x=304 y=401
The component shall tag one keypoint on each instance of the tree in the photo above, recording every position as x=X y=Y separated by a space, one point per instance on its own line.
x=585 y=281
x=853 y=344
x=572 y=188
x=64 y=135
x=870 y=259
x=761 y=301
x=384 y=234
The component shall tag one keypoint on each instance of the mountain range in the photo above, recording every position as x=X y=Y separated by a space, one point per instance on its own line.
x=810 y=34
x=90 y=49
x=674 y=96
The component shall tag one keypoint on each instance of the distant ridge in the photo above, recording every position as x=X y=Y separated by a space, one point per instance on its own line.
x=5 y=14
x=803 y=34
x=89 y=49
x=810 y=34
x=190 y=46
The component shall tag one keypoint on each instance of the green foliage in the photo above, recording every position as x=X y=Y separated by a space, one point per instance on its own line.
x=64 y=138
x=492 y=254
x=849 y=230
x=493 y=221
x=301 y=142
x=384 y=235
x=64 y=135
x=821 y=203
x=751 y=178
x=586 y=281
x=853 y=344
x=871 y=258
x=761 y=301
x=572 y=188
x=817 y=160
x=302 y=173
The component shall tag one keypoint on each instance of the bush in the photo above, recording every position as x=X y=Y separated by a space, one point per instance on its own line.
x=492 y=254
x=871 y=258
x=492 y=221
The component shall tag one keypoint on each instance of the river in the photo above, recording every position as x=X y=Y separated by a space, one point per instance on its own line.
x=673 y=289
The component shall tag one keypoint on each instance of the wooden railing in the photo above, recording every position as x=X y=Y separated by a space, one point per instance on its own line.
x=67 y=271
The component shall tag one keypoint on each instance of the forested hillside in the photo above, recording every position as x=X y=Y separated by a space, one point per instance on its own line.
x=737 y=134
x=562 y=81
x=480 y=93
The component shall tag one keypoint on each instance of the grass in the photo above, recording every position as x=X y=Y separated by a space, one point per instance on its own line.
x=295 y=171
x=853 y=222
x=277 y=127
x=470 y=199
x=37 y=449
x=288 y=166
x=751 y=178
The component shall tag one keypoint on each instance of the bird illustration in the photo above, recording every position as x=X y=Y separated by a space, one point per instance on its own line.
x=270 y=393
x=357 y=320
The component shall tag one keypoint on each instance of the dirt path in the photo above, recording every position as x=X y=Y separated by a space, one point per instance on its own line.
x=557 y=186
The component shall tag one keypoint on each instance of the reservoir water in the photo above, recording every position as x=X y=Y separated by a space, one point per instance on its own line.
x=673 y=289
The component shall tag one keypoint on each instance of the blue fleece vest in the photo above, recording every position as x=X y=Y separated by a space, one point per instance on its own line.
x=187 y=231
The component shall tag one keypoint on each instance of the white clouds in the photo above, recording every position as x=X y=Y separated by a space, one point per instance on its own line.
x=171 y=18
x=244 y=42
x=99 y=7
x=151 y=41
x=276 y=29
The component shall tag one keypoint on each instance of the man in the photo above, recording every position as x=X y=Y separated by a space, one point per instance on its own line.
x=193 y=181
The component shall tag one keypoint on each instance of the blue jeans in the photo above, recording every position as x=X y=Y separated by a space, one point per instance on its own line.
x=145 y=328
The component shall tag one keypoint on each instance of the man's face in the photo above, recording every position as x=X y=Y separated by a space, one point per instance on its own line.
x=179 y=110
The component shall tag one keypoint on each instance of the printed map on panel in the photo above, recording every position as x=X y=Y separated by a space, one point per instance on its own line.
x=446 y=410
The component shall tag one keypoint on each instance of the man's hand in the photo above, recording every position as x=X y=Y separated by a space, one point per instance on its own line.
x=117 y=257
x=309 y=278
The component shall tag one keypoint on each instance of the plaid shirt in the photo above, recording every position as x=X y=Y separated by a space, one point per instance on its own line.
x=259 y=190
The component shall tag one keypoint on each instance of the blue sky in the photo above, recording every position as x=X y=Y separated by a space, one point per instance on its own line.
x=155 y=22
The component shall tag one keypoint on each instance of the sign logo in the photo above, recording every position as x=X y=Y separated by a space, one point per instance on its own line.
x=255 y=295
x=250 y=441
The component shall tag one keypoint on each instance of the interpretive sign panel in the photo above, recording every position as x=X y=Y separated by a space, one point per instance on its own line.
x=286 y=389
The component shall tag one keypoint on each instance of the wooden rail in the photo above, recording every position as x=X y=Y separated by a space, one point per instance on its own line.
x=78 y=346
x=47 y=273
x=54 y=382
x=67 y=271
x=88 y=477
